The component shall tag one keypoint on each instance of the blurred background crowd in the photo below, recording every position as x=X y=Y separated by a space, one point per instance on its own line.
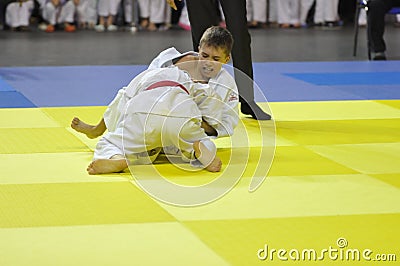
x=157 y=15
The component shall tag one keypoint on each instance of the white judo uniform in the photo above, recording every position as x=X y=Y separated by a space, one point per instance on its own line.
x=18 y=13
x=108 y=7
x=256 y=10
x=156 y=10
x=288 y=11
x=326 y=11
x=64 y=12
x=223 y=85
x=157 y=109
x=87 y=11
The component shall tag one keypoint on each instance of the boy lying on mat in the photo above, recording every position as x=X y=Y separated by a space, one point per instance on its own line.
x=158 y=109
x=204 y=67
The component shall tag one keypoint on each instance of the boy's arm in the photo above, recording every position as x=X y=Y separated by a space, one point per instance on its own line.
x=230 y=119
x=193 y=141
x=169 y=57
x=206 y=152
x=210 y=131
x=210 y=105
x=226 y=87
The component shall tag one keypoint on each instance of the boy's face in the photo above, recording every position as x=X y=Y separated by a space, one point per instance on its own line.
x=211 y=60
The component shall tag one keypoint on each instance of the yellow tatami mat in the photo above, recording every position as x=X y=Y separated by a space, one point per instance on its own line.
x=332 y=187
x=339 y=132
x=66 y=167
x=298 y=196
x=372 y=158
x=39 y=140
x=25 y=118
x=169 y=243
x=335 y=110
x=77 y=204
x=239 y=241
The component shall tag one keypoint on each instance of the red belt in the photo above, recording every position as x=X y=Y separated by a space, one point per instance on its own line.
x=167 y=83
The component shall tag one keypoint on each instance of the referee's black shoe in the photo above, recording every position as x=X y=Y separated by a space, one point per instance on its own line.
x=254 y=110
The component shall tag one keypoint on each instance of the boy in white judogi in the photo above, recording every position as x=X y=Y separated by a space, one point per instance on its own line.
x=157 y=109
x=214 y=51
x=222 y=83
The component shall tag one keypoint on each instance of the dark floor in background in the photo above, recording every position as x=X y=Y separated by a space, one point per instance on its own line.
x=123 y=48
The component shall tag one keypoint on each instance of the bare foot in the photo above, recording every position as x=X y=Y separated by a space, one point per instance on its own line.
x=105 y=166
x=215 y=165
x=90 y=131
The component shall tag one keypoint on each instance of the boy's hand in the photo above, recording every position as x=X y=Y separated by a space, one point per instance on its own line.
x=204 y=155
x=210 y=131
x=187 y=58
x=172 y=4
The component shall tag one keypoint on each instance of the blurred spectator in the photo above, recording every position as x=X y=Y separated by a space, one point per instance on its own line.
x=57 y=12
x=327 y=13
x=272 y=12
x=154 y=13
x=289 y=13
x=307 y=9
x=129 y=20
x=256 y=13
x=18 y=14
x=107 y=10
x=87 y=14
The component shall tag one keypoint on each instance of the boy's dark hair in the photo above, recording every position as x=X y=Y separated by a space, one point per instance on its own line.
x=217 y=37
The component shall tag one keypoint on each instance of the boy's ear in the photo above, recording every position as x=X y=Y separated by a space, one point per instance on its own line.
x=228 y=57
